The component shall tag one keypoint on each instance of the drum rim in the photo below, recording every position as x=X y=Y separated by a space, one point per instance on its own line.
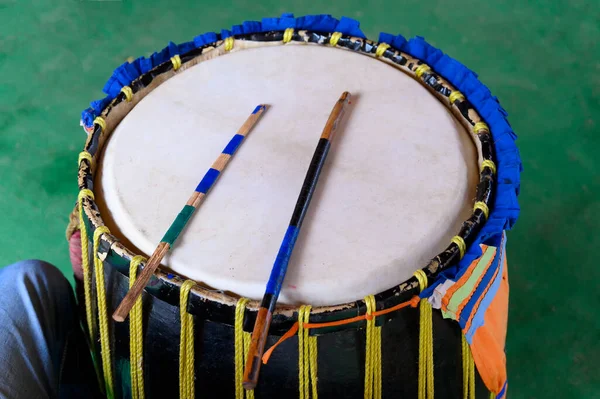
x=165 y=286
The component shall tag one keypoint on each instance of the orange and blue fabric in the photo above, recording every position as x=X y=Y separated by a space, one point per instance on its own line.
x=478 y=300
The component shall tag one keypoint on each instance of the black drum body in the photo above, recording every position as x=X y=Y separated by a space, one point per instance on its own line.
x=341 y=354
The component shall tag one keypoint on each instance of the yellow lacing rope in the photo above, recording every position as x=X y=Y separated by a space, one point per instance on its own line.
x=229 y=43
x=307 y=356
x=479 y=126
x=176 y=61
x=186 y=346
x=102 y=312
x=421 y=69
x=85 y=264
x=456 y=96
x=312 y=353
x=372 y=353
x=425 y=390
x=136 y=337
x=482 y=207
x=381 y=47
x=377 y=374
x=288 y=34
x=302 y=365
x=100 y=122
x=465 y=367
x=471 y=373
x=335 y=37
x=468 y=367
x=85 y=155
x=462 y=247
x=489 y=164
x=247 y=339
x=128 y=93
x=241 y=350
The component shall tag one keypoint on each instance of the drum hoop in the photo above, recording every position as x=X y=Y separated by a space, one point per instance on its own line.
x=219 y=306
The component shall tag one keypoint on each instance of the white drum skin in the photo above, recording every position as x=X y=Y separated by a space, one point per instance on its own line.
x=396 y=186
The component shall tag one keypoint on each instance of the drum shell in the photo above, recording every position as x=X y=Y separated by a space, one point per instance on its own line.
x=341 y=355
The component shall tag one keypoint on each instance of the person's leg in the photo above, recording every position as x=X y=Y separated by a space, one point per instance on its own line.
x=37 y=315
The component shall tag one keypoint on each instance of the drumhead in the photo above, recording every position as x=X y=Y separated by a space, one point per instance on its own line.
x=399 y=180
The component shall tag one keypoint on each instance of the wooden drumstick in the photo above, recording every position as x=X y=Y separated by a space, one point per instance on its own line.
x=184 y=216
x=267 y=306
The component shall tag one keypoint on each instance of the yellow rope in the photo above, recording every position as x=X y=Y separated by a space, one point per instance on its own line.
x=136 y=337
x=372 y=353
x=128 y=93
x=421 y=69
x=479 y=126
x=176 y=61
x=335 y=38
x=288 y=34
x=455 y=95
x=307 y=356
x=312 y=353
x=368 y=368
x=239 y=346
x=482 y=207
x=381 y=47
x=466 y=371
x=100 y=122
x=462 y=246
x=425 y=390
x=465 y=368
x=229 y=43
x=247 y=339
x=85 y=155
x=377 y=363
x=489 y=164
x=471 y=373
x=85 y=264
x=302 y=368
x=186 y=347
x=102 y=313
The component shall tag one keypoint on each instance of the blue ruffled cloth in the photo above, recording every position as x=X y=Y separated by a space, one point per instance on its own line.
x=126 y=73
x=504 y=210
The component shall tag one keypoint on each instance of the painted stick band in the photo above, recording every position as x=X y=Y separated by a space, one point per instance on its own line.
x=185 y=215
x=267 y=306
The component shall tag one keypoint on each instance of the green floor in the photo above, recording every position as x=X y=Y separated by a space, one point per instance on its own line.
x=542 y=59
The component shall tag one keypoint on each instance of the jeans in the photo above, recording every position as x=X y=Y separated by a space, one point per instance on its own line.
x=42 y=350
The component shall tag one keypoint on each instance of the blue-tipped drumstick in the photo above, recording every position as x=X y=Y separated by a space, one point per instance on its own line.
x=184 y=216
x=267 y=306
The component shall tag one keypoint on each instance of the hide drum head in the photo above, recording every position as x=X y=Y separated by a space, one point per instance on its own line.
x=399 y=180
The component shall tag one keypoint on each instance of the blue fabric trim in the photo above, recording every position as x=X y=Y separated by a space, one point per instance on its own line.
x=233 y=144
x=504 y=210
x=396 y=41
x=207 y=181
x=281 y=261
x=126 y=73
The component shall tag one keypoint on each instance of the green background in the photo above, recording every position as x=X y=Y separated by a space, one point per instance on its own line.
x=540 y=58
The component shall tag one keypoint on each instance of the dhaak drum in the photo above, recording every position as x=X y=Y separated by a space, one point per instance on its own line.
x=398 y=284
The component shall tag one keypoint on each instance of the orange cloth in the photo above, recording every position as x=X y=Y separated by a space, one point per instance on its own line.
x=489 y=340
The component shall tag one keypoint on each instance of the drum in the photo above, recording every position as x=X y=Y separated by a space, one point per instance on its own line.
x=398 y=284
